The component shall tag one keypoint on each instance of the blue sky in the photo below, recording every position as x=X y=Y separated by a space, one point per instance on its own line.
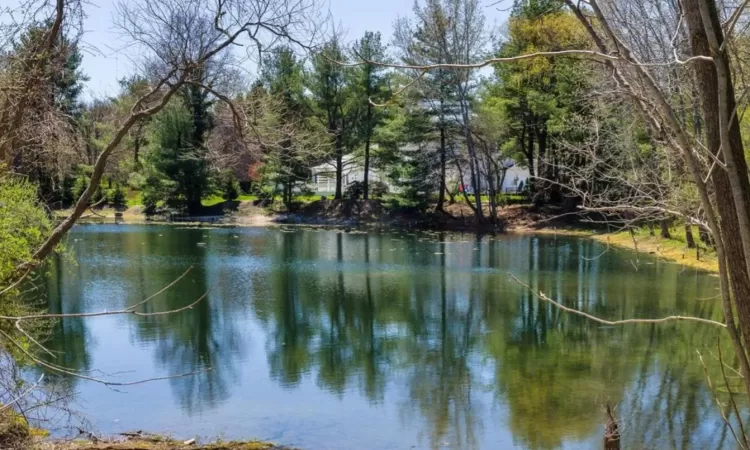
x=105 y=64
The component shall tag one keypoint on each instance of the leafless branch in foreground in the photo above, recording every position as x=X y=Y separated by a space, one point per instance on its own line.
x=129 y=310
x=742 y=439
x=543 y=297
x=22 y=395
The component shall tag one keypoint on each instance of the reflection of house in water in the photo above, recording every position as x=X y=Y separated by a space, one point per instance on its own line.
x=324 y=175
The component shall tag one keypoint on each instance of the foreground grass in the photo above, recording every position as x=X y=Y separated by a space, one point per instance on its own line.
x=216 y=199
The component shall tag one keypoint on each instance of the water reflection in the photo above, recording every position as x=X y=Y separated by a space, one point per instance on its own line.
x=426 y=328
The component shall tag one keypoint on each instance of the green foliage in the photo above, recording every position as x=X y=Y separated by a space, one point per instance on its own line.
x=378 y=189
x=282 y=75
x=528 y=107
x=336 y=101
x=77 y=182
x=407 y=153
x=294 y=139
x=177 y=171
x=24 y=225
x=79 y=185
x=355 y=190
x=64 y=76
x=230 y=189
x=116 y=197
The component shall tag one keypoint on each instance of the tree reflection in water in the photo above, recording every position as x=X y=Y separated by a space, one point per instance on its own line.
x=429 y=322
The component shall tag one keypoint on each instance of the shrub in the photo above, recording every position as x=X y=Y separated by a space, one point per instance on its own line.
x=230 y=189
x=116 y=197
x=24 y=225
x=355 y=190
x=150 y=199
x=378 y=189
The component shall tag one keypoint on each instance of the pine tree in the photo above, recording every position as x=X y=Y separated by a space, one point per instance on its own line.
x=371 y=86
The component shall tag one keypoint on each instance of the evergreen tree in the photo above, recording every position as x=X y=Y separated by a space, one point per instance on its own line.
x=179 y=171
x=335 y=102
x=537 y=96
x=425 y=42
x=281 y=113
x=59 y=92
x=370 y=85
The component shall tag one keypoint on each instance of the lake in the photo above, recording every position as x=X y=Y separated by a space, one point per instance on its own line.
x=324 y=339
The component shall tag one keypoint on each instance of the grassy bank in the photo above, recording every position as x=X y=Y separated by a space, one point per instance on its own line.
x=673 y=249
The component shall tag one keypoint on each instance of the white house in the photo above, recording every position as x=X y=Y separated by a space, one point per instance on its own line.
x=516 y=177
x=324 y=175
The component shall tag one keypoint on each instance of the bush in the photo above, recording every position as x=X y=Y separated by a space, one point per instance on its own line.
x=230 y=189
x=355 y=190
x=246 y=187
x=150 y=199
x=24 y=225
x=79 y=186
x=116 y=198
x=378 y=189
x=68 y=190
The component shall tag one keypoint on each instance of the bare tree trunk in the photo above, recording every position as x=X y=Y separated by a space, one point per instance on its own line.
x=368 y=138
x=491 y=191
x=723 y=224
x=501 y=181
x=473 y=163
x=366 y=180
x=441 y=194
x=689 y=236
x=532 y=167
x=706 y=75
x=463 y=186
x=339 y=167
x=541 y=137
x=451 y=198
x=664 y=226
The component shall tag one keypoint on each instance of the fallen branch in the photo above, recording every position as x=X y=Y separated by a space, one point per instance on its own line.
x=540 y=295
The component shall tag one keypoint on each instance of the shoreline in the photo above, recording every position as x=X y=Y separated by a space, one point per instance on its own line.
x=516 y=221
x=374 y=215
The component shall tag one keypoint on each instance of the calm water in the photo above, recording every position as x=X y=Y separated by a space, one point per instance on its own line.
x=329 y=340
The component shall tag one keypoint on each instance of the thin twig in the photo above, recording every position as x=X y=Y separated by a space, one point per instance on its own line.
x=59 y=369
x=128 y=310
x=718 y=403
x=24 y=394
x=731 y=396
